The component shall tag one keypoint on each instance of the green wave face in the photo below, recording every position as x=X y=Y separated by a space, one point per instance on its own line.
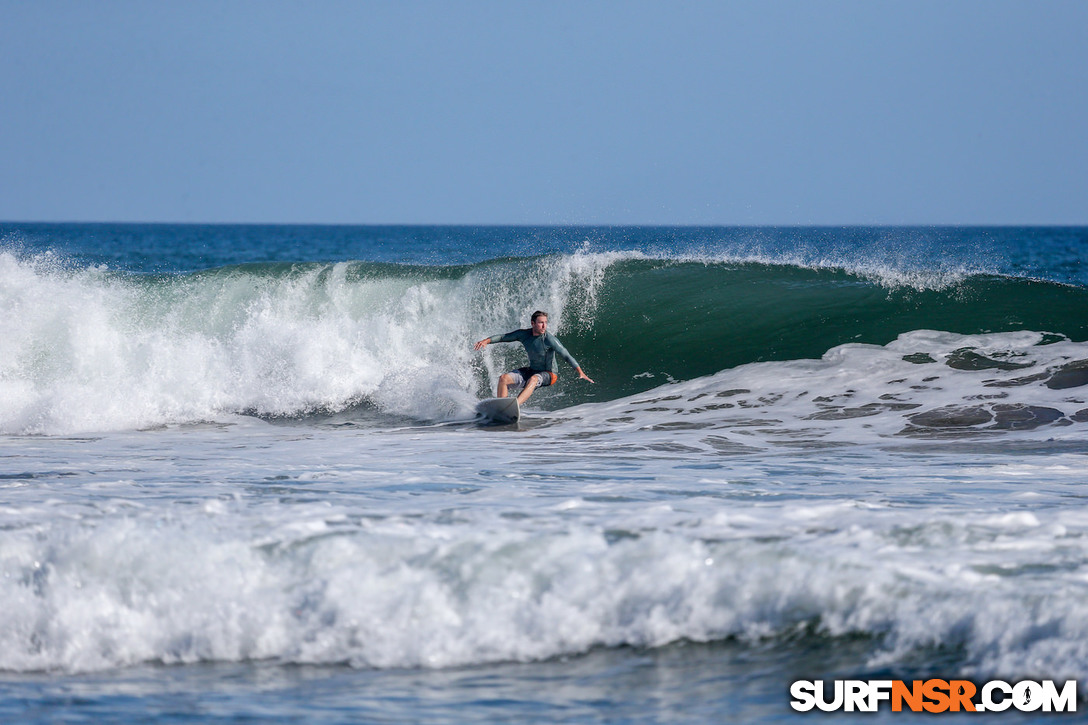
x=656 y=322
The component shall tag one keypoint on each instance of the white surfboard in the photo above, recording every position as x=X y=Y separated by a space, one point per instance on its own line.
x=500 y=410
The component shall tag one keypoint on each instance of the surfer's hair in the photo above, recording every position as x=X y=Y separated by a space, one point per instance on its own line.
x=538 y=313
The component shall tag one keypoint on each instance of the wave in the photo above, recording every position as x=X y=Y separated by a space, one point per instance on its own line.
x=319 y=586
x=87 y=348
x=677 y=321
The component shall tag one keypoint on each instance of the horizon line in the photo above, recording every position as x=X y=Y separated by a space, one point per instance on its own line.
x=570 y=225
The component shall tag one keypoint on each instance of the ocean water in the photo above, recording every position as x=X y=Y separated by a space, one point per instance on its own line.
x=241 y=478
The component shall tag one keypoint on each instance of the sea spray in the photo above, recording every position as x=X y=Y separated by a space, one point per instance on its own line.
x=87 y=349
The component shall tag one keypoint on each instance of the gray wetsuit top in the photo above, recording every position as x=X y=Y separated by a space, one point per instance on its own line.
x=541 y=349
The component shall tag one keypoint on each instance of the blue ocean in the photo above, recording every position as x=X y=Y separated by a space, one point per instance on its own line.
x=242 y=477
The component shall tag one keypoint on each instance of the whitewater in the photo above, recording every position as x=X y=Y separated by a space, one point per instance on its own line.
x=240 y=472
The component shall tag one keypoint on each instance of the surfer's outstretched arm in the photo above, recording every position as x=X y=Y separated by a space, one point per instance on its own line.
x=582 y=374
x=514 y=336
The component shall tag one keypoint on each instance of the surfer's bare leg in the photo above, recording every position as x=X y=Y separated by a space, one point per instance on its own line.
x=527 y=390
x=504 y=382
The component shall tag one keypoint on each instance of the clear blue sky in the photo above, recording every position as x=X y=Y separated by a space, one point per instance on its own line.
x=768 y=112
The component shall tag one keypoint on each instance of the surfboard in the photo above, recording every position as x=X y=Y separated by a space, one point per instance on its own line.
x=500 y=410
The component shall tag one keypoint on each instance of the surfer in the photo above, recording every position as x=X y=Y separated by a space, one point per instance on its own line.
x=542 y=347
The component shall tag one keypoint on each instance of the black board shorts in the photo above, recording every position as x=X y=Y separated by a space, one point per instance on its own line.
x=544 y=378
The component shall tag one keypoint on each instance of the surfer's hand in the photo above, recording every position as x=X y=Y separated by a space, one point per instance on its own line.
x=483 y=343
x=583 y=376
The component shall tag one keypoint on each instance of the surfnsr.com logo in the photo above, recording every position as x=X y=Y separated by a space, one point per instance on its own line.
x=933 y=696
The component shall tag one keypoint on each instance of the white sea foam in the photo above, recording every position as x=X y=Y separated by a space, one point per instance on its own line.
x=310 y=583
x=925 y=385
